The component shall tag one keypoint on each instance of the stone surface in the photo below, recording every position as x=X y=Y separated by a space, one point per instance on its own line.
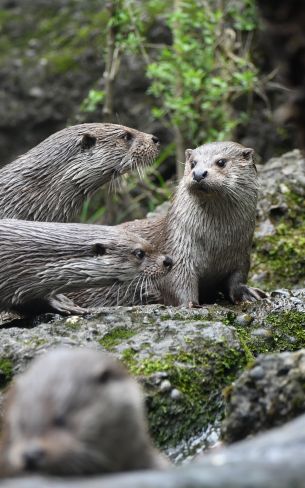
x=274 y=460
x=270 y=393
x=184 y=358
x=278 y=258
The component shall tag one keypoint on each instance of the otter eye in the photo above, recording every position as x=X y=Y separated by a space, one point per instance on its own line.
x=193 y=164
x=127 y=136
x=139 y=253
x=221 y=163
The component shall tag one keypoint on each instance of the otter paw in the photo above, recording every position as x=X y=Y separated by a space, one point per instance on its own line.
x=244 y=293
x=64 y=306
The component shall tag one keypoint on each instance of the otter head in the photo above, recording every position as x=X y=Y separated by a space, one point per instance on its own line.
x=75 y=412
x=93 y=256
x=153 y=264
x=112 y=150
x=219 y=169
x=131 y=257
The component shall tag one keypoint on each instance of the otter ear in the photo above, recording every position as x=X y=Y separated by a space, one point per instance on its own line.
x=248 y=153
x=113 y=372
x=104 y=376
x=98 y=249
x=87 y=141
x=188 y=153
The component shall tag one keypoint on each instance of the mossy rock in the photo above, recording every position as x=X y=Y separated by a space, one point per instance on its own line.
x=6 y=371
x=278 y=258
x=186 y=359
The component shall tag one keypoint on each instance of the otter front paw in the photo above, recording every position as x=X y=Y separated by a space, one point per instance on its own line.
x=64 y=306
x=244 y=293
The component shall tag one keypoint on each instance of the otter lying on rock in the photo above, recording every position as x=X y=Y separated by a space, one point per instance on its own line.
x=51 y=181
x=208 y=230
x=39 y=260
x=76 y=412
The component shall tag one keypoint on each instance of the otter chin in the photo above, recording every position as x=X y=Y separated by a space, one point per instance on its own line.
x=76 y=412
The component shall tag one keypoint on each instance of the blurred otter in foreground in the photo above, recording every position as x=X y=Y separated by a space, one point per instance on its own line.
x=51 y=181
x=76 y=412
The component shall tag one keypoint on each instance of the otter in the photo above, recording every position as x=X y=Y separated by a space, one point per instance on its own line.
x=51 y=181
x=76 y=412
x=41 y=260
x=208 y=230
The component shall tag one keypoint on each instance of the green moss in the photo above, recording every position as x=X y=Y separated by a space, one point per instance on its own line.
x=74 y=326
x=115 y=337
x=282 y=255
x=288 y=331
x=6 y=371
x=200 y=373
x=285 y=332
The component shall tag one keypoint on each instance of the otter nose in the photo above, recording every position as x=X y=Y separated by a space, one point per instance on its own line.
x=155 y=139
x=199 y=175
x=32 y=458
x=168 y=262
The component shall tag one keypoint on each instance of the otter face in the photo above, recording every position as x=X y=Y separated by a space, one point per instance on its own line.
x=118 y=148
x=152 y=264
x=217 y=168
x=128 y=258
x=88 y=257
x=73 y=412
x=142 y=149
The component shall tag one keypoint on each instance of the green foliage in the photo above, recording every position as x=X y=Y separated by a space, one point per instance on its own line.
x=194 y=81
x=58 y=35
x=204 y=71
x=93 y=99
x=245 y=18
x=129 y=26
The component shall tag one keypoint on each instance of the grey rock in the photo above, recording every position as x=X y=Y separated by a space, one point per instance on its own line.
x=176 y=394
x=165 y=385
x=274 y=460
x=184 y=358
x=268 y=394
x=265 y=228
